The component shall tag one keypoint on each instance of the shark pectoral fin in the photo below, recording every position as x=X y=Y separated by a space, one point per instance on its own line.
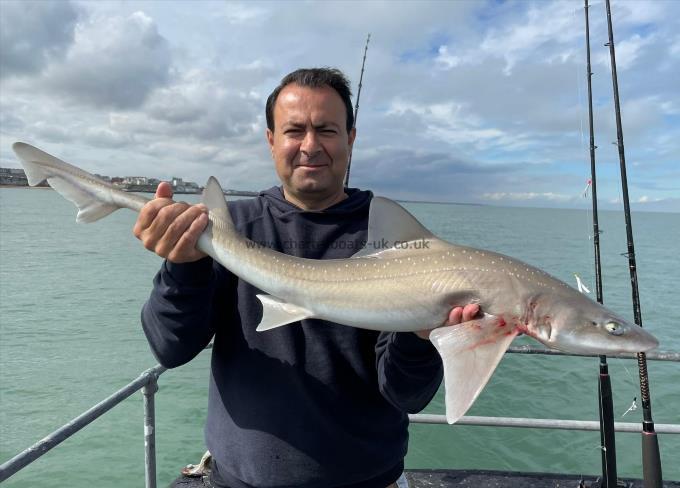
x=470 y=352
x=276 y=312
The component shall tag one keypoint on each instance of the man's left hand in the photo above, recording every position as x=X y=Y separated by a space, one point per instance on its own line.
x=457 y=315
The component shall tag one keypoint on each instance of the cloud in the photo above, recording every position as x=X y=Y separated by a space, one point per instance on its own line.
x=432 y=175
x=9 y=122
x=452 y=123
x=32 y=33
x=459 y=100
x=235 y=13
x=113 y=61
x=639 y=13
x=523 y=196
x=544 y=27
x=446 y=60
x=206 y=105
x=674 y=48
x=658 y=205
x=627 y=52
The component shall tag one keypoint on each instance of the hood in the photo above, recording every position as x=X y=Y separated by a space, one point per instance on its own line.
x=357 y=202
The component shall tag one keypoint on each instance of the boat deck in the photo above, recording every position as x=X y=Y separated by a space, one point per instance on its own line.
x=449 y=478
x=445 y=478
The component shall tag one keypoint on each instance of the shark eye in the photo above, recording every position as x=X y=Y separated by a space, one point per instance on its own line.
x=614 y=328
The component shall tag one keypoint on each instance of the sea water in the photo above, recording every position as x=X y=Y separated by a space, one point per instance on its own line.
x=70 y=335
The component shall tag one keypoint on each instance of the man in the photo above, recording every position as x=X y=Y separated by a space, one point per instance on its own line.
x=313 y=404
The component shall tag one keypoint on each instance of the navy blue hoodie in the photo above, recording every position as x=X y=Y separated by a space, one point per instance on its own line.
x=310 y=404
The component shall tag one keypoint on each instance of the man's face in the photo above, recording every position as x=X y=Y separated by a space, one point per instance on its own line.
x=310 y=145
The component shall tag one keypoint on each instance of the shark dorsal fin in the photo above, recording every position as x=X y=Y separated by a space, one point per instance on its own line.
x=390 y=224
x=213 y=198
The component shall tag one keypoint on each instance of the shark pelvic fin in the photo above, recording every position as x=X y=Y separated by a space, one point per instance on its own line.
x=276 y=312
x=470 y=352
x=389 y=225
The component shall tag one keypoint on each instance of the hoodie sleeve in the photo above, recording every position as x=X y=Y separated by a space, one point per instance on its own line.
x=180 y=315
x=409 y=370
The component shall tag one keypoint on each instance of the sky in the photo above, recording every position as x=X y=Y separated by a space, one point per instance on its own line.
x=462 y=101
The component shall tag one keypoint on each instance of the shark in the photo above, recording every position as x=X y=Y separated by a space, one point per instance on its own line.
x=405 y=279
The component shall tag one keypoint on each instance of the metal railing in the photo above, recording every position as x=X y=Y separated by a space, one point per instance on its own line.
x=148 y=383
x=532 y=423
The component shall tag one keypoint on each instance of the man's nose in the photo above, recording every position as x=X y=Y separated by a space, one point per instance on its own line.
x=310 y=144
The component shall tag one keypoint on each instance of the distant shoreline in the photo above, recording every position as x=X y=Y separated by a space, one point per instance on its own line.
x=25 y=187
x=442 y=203
x=242 y=193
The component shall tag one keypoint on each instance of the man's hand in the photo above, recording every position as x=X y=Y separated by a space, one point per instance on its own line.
x=171 y=229
x=457 y=315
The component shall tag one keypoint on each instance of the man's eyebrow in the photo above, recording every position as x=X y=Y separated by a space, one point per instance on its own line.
x=323 y=125
x=291 y=124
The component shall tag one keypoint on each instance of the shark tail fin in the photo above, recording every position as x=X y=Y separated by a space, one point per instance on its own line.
x=94 y=197
x=470 y=352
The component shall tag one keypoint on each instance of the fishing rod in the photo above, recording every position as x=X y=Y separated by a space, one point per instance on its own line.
x=604 y=391
x=651 y=461
x=356 y=107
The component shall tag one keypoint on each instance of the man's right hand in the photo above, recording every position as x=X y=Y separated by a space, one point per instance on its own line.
x=171 y=229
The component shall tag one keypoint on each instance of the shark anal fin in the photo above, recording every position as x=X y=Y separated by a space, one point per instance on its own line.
x=276 y=312
x=470 y=352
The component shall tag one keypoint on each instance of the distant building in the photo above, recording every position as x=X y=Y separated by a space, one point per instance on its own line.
x=192 y=187
x=12 y=171
x=17 y=177
x=136 y=180
x=176 y=182
x=13 y=177
x=103 y=177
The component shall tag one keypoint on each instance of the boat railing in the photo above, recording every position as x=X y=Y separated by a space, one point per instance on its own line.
x=147 y=382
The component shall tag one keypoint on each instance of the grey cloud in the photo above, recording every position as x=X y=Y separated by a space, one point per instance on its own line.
x=193 y=104
x=440 y=176
x=9 y=123
x=32 y=33
x=661 y=205
x=106 y=137
x=51 y=132
x=544 y=93
x=248 y=77
x=114 y=62
x=199 y=120
x=205 y=108
x=666 y=185
x=294 y=35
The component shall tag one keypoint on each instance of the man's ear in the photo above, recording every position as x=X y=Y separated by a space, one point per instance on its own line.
x=270 y=139
x=351 y=136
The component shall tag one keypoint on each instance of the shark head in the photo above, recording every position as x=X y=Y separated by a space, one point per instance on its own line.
x=583 y=326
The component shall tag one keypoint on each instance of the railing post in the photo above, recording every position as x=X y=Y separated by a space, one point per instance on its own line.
x=149 y=390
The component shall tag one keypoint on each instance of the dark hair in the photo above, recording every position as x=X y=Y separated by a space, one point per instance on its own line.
x=314 y=78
